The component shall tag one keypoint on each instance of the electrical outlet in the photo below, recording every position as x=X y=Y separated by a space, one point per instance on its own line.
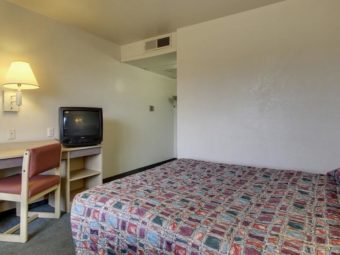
x=50 y=132
x=11 y=134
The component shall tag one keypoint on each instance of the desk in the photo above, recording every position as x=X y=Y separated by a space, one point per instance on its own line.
x=81 y=167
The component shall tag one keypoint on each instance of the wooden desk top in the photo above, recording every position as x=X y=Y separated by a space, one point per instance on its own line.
x=17 y=149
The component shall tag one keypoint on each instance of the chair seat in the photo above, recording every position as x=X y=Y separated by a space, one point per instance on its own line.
x=37 y=184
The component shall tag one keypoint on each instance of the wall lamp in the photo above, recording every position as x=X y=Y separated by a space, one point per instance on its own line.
x=19 y=77
x=173 y=101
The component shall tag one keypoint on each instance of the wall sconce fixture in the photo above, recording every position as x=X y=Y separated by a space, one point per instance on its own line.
x=173 y=101
x=19 y=76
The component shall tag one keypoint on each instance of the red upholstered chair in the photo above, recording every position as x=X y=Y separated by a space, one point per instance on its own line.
x=30 y=185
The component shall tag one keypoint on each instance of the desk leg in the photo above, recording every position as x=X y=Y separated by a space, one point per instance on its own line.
x=17 y=208
x=67 y=183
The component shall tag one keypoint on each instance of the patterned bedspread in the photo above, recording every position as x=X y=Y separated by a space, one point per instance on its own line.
x=194 y=207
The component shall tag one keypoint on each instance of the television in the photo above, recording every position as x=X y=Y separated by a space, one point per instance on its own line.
x=80 y=126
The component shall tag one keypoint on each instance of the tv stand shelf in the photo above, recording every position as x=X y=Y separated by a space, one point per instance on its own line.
x=82 y=173
x=83 y=170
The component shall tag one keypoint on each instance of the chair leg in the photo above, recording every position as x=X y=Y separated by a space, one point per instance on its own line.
x=57 y=202
x=23 y=221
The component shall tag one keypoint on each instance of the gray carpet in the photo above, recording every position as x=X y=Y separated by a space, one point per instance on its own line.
x=46 y=236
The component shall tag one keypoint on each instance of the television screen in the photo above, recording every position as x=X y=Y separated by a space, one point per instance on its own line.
x=80 y=126
x=81 y=123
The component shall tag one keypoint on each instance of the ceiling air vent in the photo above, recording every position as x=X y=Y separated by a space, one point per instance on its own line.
x=158 y=43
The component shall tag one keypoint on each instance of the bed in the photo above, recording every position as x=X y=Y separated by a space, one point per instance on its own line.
x=190 y=207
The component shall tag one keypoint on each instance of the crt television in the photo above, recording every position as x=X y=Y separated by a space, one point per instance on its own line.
x=80 y=126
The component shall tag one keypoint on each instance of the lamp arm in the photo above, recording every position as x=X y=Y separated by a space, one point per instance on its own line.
x=18 y=97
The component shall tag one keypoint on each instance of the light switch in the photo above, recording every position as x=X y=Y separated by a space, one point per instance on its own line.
x=50 y=132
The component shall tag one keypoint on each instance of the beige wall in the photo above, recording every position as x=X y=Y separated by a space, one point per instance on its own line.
x=77 y=69
x=262 y=87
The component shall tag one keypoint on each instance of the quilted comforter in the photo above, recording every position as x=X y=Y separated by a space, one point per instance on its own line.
x=194 y=207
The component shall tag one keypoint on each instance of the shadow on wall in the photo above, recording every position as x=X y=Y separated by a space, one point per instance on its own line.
x=113 y=146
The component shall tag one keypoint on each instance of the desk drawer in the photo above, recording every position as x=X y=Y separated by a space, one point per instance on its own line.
x=10 y=162
x=85 y=152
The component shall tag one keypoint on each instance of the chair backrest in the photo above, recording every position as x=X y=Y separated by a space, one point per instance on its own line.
x=44 y=158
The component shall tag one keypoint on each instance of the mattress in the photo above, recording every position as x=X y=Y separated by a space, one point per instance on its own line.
x=190 y=207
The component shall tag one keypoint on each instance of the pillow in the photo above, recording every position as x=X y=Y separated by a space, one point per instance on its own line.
x=336 y=174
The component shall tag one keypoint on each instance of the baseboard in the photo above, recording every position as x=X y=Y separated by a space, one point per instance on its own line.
x=138 y=170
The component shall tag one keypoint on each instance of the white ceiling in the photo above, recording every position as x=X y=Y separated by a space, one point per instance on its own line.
x=125 y=21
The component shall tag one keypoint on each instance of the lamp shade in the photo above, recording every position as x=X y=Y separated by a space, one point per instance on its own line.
x=20 y=76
